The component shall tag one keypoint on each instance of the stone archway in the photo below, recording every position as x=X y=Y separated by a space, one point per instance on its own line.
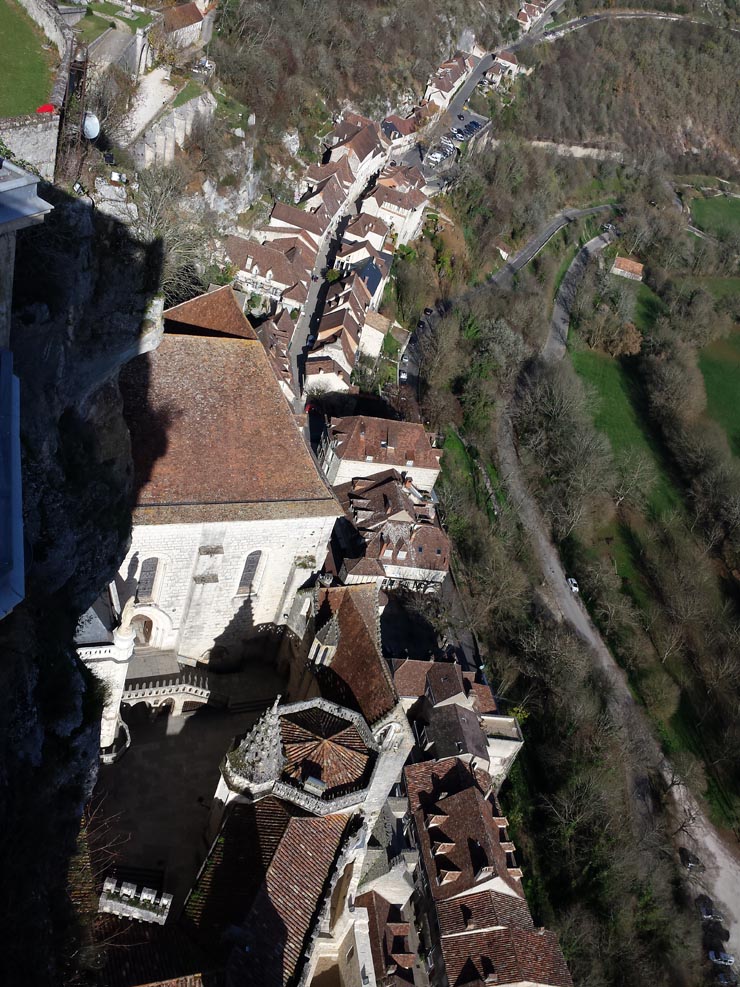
x=142 y=627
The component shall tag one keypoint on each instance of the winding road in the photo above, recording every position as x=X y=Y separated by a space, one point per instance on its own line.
x=721 y=878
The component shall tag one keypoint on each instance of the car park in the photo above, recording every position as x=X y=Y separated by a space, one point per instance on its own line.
x=720 y=958
x=725 y=979
x=475 y=125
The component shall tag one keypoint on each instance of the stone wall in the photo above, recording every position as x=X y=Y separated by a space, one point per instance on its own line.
x=195 y=593
x=33 y=141
x=50 y=21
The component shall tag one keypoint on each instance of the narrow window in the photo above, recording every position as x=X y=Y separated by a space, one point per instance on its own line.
x=147 y=577
x=249 y=572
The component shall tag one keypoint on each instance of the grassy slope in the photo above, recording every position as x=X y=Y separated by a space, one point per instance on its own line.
x=91 y=27
x=715 y=215
x=720 y=365
x=23 y=61
x=617 y=415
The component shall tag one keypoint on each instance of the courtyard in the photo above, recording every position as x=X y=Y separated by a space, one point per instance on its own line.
x=157 y=797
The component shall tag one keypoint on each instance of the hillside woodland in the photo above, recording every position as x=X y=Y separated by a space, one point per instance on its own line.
x=665 y=93
x=288 y=59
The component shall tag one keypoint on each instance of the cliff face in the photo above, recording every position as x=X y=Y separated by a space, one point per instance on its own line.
x=82 y=292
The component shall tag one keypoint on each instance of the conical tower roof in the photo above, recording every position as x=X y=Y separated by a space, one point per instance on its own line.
x=258 y=760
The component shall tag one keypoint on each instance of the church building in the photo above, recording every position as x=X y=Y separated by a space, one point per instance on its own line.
x=231 y=515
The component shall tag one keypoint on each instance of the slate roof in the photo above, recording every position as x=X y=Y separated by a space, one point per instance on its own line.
x=184 y=15
x=216 y=312
x=358 y=676
x=396 y=443
x=454 y=730
x=213 y=437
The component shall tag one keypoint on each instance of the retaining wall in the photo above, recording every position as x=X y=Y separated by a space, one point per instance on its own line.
x=33 y=140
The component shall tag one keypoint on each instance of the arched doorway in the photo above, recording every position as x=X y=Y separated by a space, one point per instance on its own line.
x=142 y=628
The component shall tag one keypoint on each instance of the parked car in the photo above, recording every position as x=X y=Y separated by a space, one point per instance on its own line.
x=311 y=339
x=707 y=910
x=421 y=324
x=403 y=375
x=574 y=587
x=689 y=860
x=405 y=358
x=428 y=311
x=475 y=125
x=456 y=132
x=720 y=958
x=460 y=116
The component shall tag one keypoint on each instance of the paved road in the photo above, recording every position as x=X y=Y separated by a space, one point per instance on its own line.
x=505 y=277
x=578 y=23
x=557 y=336
x=721 y=878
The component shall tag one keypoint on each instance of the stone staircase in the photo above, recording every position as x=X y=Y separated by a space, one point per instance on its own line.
x=157 y=145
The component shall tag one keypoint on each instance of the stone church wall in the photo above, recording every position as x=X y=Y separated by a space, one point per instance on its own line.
x=195 y=593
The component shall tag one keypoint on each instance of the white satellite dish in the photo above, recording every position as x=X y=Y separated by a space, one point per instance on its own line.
x=90 y=126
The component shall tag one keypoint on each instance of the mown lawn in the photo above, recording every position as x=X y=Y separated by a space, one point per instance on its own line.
x=111 y=10
x=26 y=67
x=647 y=308
x=720 y=366
x=618 y=417
x=719 y=287
x=717 y=214
x=91 y=27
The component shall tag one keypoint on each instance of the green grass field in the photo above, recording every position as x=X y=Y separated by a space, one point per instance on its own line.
x=720 y=366
x=617 y=415
x=717 y=214
x=719 y=287
x=27 y=68
x=188 y=92
x=91 y=27
x=647 y=308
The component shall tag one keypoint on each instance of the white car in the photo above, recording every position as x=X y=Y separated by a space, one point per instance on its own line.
x=403 y=375
x=721 y=959
x=574 y=587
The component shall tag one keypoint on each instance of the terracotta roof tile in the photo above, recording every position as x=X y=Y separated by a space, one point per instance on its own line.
x=358 y=676
x=389 y=941
x=400 y=444
x=319 y=745
x=482 y=910
x=512 y=956
x=184 y=15
x=216 y=311
x=212 y=435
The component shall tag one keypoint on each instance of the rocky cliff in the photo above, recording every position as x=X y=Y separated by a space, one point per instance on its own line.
x=82 y=293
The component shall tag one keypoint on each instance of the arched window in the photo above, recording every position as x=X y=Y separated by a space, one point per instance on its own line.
x=249 y=574
x=147 y=578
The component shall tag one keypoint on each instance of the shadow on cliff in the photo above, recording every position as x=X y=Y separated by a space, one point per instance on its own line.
x=83 y=286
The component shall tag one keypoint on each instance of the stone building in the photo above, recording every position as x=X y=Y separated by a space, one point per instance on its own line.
x=231 y=513
x=362 y=447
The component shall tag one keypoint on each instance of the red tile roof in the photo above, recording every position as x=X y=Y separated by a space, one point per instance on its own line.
x=184 y=15
x=319 y=745
x=213 y=437
x=217 y=311
x=400 y=444
x=482 y=910
x=505 y=956
x=298 y=219
x=284 y=910
x=629 y=266
x=389 y=940
x=358 y=676
x=460 y=841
